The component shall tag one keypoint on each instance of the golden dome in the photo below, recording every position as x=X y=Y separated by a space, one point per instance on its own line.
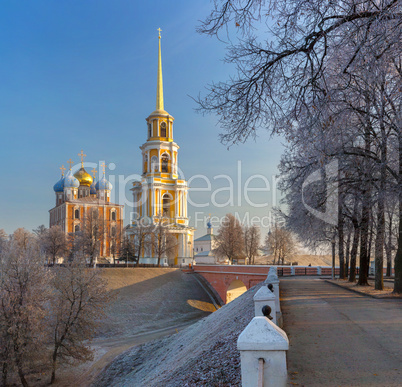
x=83 y=177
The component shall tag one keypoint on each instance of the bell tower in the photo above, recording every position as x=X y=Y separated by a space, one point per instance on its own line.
x=161 y=192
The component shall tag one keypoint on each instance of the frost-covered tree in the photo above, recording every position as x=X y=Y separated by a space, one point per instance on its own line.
x=79 y=297
x=330 y=71
x=252 y=238
x=54 y=243
x=24 y=293
x=229 y=240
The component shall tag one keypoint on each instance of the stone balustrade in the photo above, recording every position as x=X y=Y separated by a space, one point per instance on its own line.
x=263 y=347
x=263 y=344
x=273 y=279
x=263 y=297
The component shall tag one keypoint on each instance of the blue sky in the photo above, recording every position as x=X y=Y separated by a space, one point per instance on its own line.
x=82 y=75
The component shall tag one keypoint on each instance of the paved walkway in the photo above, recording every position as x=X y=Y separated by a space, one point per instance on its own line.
x=340 y=338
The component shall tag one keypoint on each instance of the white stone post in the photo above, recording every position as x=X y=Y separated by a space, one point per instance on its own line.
x=264 y=297
x=273 y=279
x=263 y=347
x=318 y=270
x=292 y=270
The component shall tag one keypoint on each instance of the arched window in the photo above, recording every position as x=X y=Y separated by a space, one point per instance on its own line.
x=77 y=228
x=149 y=130
x=154 y=164
x=165 y=162
x=163 y=129
x=113 y=232
x=77 y=214
x=114 y=215
x=166 y=205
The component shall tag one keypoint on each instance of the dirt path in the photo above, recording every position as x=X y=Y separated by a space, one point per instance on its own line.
x=340 y=338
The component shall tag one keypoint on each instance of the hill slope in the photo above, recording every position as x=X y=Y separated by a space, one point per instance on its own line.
x=151 y=298
x=202 y=354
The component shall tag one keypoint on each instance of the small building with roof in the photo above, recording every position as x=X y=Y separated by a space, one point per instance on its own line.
x=204 y=249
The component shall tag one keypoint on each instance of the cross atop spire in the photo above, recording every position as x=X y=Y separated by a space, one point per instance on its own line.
x=82 y=155
x=94 y=172
x=62 y=169
x=71 y=162
x=103 y=166
x=159 y=87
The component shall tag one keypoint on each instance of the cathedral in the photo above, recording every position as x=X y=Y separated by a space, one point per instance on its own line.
x=82 y=204
x=161 y=193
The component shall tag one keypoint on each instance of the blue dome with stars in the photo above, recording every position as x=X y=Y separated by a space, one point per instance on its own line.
x=70 y=181
x=59 y=186
x=93 y=188
x=103 y=184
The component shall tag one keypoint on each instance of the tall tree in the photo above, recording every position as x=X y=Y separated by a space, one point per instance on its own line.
x=3 y=239
x=252 y=238
x=54 y=243
x=92 y=234
x=335 y=64
x=281 y=244
x=23 y=296
x=79 y=296
x=229 y=240
x=161 y=242
x=140 y=240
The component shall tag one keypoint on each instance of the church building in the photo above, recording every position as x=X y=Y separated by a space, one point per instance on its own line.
x=161 y=193
x=81 y=203
x=204 y=249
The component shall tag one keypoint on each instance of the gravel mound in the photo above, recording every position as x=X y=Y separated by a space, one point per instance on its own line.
x=204 y=354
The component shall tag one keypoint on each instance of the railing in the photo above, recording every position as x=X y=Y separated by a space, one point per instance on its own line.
x=307 y=270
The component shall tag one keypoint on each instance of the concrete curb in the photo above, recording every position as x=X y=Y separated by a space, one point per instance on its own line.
x=365 y=294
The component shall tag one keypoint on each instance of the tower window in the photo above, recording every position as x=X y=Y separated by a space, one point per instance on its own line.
x=154 y=164
x=163 y=129
x=149 y=130
x=166 y=205
x=113 y=215
x=165 y=162
x=113 y=231
x=77 y=214
x=77 y=228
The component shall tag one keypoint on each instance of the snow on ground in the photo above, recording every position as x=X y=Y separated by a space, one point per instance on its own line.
x=204 y=354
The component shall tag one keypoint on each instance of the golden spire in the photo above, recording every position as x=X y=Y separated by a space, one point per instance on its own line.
x=62 y=169
x=82 y=155
x=70 y=162
x=159 y=87
x=94 y=173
